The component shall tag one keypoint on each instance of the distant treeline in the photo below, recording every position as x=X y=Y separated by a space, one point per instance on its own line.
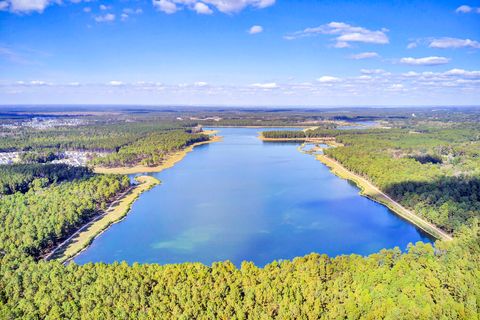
x=104 y=137
x=301 y=134
x=284 y=134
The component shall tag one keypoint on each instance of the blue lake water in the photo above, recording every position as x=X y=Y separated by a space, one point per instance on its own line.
x=243 y=199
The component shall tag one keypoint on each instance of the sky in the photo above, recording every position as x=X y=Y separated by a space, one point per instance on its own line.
x=240 y=52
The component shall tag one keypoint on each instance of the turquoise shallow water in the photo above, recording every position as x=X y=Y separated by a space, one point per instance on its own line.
x=243 y=199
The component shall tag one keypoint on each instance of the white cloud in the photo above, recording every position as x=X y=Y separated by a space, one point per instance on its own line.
x=328 y=79
x=87 y=9
x=165 y=6
x=455 y=86
x=444 y=43
x=25 y=6
x=232 y=6
x=412 y=45
x=132 y=11
x=364 y=55
x=116 y=83
x=127 y=12
x=426 y=61
x=345 y=34
x=109 y=17
x=255 y=29
x=464 y=9
x=266 y=85
x=202 y=8
x=410 y=74
x=200 y=84
x=341 y=44
x=462 y=73
x=373 y=71
x=397 y=87
x=38 y=83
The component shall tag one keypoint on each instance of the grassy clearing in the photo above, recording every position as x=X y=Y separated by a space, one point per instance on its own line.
x=168 y=163
x=372 y=192
x=117 y=210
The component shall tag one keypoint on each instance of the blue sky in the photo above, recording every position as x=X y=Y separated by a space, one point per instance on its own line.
x=240 y=52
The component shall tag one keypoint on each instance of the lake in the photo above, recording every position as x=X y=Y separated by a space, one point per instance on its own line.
x=244 y=199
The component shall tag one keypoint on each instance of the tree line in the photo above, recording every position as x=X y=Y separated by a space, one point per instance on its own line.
x=423 y=283
x=150 y=150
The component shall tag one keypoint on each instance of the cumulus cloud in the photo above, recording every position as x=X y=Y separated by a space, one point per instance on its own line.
x=328 y=79
x=454 y=86
x=126 y=12
x=464 y=9
x=445 y=43
x=463 y=73
x=25 y=6
x=364 y=55
x=204 y=6
x=109 y=17
x=373 y=71
x=255 y=29
x=116 y=83
x=426 y=61
x=345 y=34
x=265 y=85
x=104 y=7
x=165 y=6
x=412 y=45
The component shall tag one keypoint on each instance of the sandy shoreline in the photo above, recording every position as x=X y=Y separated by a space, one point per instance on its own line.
x=367 y=189
x=81 y=239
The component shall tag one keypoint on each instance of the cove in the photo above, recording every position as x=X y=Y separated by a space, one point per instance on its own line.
x=244 y=199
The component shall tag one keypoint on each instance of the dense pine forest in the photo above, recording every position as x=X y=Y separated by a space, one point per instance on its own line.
x=433 y=169
x=150 y=150
x=21 y=177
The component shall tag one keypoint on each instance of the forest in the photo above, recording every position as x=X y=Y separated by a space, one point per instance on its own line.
x=150 y=150
x=108 y=136
x=131 y=143
x=20 y=177
x=38 y=219
x=432 y=169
